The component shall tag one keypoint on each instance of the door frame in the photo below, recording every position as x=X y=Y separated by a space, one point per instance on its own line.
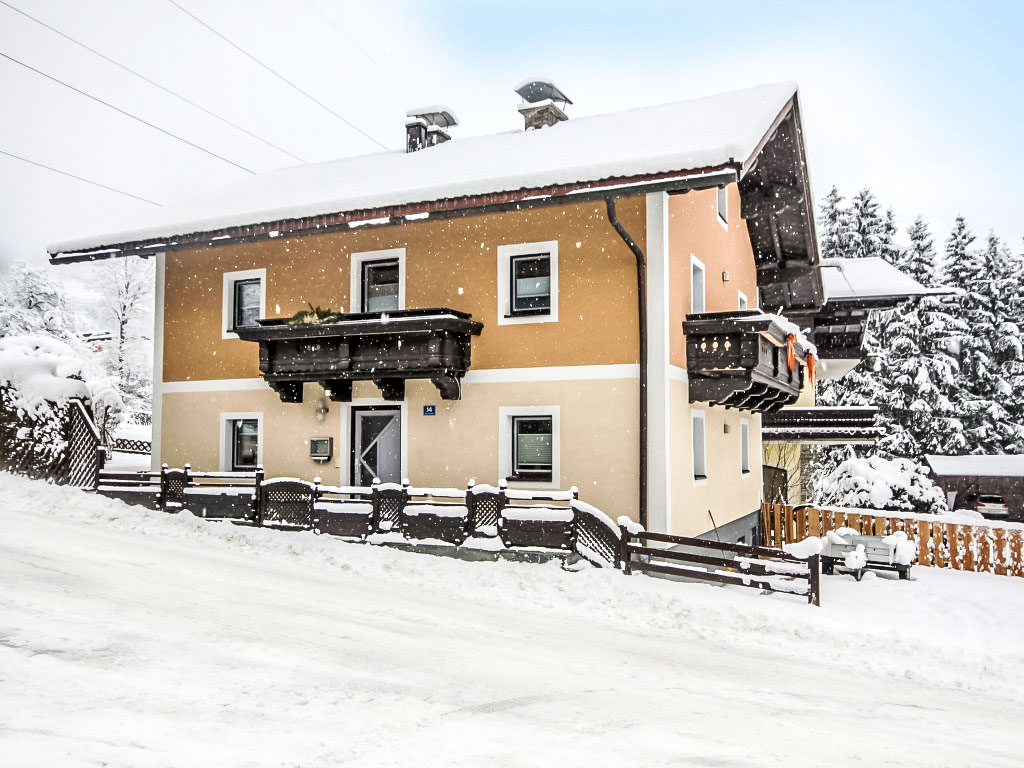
x=345 y=439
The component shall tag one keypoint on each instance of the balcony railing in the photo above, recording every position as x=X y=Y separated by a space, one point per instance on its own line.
x=843 y=425
x=386 y=348
x=745 y=359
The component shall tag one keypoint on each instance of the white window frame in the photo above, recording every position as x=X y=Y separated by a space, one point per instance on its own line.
x=744 y=447
x=226 y=437
x=355 y=294
x=700 y=462
x=722 y=206
x=505 y=255
x=696 y=265
x=228 y=298
x=505 y=414
x=741 y=300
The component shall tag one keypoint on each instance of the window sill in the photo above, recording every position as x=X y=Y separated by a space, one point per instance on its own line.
x=528 y=478
x=700 y=479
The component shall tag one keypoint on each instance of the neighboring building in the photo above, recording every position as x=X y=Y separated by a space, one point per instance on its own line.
x=493 y=325
x=965 y=478
x=853 y=289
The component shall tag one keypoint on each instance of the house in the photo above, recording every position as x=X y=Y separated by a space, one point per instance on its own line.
x=577 y=303
x=965 y=478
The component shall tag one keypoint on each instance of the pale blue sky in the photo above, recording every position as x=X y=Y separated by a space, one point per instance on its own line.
x=921 y=101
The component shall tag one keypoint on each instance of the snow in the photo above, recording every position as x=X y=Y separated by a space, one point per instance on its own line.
x=977 y=466
x=133 y=638
x=683 y=136
x=450 y=510
x=634 y=528
x=41 y=371
x=804 y=549
x=836 y=538
x=538 y=514
x=870 y=277
x=856 y=558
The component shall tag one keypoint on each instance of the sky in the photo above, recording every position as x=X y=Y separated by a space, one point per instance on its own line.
x=921 y=101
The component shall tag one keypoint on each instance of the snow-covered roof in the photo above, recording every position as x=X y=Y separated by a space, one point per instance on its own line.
x=977 y=466
x=690 y=135
x=869 y=278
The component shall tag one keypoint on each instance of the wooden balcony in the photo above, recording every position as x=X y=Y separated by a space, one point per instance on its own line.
x=821 y=425
x=741 y=360
x=386 y=348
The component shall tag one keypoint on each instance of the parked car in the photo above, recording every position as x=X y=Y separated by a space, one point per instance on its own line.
x=993 y=507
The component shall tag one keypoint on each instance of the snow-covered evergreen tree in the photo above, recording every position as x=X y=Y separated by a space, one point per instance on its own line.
x=33 y=304
x=833 y=227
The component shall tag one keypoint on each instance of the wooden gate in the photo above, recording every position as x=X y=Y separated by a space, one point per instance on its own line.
x=85 y=452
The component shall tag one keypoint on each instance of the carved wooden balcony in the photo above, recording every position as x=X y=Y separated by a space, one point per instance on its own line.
x=741 y=360
x=386 y=348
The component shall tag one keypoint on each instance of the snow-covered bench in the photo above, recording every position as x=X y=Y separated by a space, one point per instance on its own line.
x=856 y=552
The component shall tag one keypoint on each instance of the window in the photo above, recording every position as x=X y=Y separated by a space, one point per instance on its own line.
x=244 y=299
x=531 y=448
x=247 y=303
x=745 y=446
x=245 y=442
x=380 y=285
x=377 y=281
x=531 y=285
x=696 y=285
x=529 y=445
x=723 y=204
x=700 y=468
x=528 y=283
x=241 y=441
x=741 y=302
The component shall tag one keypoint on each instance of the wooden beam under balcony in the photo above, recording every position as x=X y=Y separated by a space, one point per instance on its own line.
x=822 y=425
x=387 y=348
x=740 y=360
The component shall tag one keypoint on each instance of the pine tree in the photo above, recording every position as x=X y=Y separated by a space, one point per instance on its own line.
x=833 y=227
x=33 y=304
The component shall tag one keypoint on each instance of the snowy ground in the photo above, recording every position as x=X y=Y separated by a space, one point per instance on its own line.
x=134 y=638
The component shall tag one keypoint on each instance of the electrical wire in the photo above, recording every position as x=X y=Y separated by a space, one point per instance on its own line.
x=362 y=50
x=127 y=114
x=279 y=76
x=79 y=178
x=152 y=82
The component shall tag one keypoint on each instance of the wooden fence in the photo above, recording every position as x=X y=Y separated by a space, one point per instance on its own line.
x=984 y=546
x=764 y=568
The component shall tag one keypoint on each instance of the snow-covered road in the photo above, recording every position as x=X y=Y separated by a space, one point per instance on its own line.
x=131 y=638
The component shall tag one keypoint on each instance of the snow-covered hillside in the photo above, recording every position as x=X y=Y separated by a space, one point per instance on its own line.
x=134 y=638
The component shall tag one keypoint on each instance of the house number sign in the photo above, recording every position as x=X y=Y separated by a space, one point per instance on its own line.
x=429 y=410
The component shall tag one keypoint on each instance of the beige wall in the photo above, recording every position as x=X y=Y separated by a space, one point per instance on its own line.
x=727 y=492
x=449 y=263
x=597 y=433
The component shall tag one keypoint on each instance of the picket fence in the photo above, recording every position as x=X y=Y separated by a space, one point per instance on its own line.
x=984 y=546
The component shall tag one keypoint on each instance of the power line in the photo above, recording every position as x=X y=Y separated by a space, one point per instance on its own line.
x=362 y=50
x=280 y=77
x=79 y=178
x=127 y=114
x=152 y=82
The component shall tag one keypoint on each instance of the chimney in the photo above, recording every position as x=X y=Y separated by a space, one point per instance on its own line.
x=540 y=106
x=425 y=127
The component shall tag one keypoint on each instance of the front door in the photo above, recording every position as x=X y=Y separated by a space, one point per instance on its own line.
x=376 y=445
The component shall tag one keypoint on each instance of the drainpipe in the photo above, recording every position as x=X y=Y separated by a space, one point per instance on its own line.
x=641 y=303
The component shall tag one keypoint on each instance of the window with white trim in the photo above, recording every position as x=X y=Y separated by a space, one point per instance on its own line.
x=722 y=200
x=698 y=427
x=741 y=300
x=241 y=441
x=244 y=299
x=696 y=285
x=528 y=450
x=745 y=446
x=377 y=282
x=528 y=283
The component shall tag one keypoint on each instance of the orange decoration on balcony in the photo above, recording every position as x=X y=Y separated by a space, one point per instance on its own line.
x=810 y=367
x=791 y=351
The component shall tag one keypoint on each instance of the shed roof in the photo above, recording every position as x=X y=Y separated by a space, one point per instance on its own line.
x=699 y=134
x=870 y=278
x=977 y=466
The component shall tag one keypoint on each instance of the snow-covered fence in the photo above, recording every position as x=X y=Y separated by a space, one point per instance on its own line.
x=128 y=445
x=739 y=564
x=951 y=541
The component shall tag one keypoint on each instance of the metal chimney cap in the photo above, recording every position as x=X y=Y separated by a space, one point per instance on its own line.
x=540 y=88
x=440 y=116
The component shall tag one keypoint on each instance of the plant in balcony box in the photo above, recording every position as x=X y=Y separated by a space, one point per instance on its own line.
x=314 y=316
